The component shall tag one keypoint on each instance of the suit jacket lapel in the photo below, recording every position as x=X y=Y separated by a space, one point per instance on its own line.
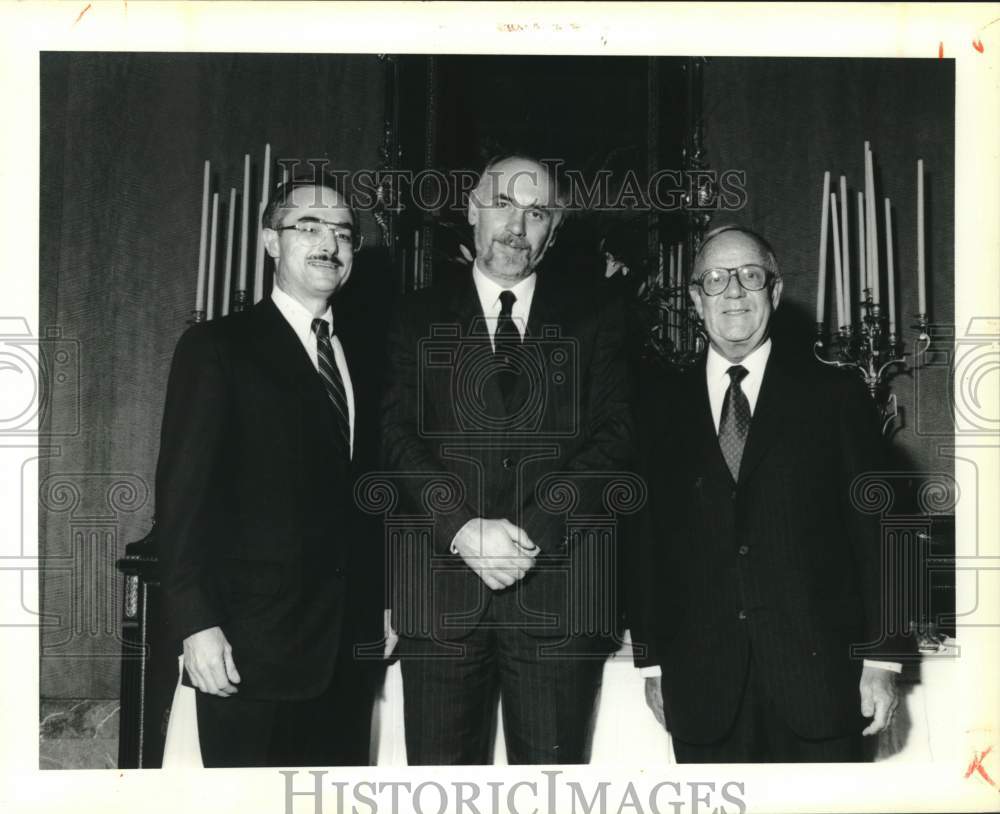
x=775 y=407
x=702 y=428
x=465 y=309
x=278 y=348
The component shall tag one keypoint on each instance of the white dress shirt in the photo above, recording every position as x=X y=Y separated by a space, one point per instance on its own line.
x=489 y=298
x=300 y=318
x=717 y=378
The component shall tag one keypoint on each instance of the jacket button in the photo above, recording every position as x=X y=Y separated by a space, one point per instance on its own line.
x=742 y=616
x=508 y=463
x=743 y=550
x=732 y=494
x=338 y=571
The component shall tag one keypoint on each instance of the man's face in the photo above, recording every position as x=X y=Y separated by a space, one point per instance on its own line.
x=736 y=320
x=514 y=219
x=309 y=269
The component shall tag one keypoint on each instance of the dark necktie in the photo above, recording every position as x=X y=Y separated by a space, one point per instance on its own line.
x=734 y=423
x=332 y=380
x=506 y=342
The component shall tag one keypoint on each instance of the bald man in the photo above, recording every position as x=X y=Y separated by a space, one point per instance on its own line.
x=761 y=622
x=507 y=388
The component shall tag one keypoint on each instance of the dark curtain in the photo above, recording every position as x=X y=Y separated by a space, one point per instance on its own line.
x=123 y=138
x=784 y=122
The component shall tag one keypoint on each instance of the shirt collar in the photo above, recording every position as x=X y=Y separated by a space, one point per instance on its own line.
x=489 y=291
x=717 y=365
x=296 y=314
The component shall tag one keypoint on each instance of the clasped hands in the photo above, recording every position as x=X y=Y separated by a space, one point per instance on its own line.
x=499 y=552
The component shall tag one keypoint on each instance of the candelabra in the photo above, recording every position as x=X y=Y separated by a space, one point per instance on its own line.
x=875 y=353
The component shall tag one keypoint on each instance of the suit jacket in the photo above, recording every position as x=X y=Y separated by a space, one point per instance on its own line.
x=540 y=459
x=257 y=527
x=782 y=564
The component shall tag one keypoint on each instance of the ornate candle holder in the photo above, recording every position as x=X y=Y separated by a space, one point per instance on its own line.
x=196 y=316
x=874 y=353
x=240 y=301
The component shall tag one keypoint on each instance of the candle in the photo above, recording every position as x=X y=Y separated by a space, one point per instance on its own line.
x=241 y=284
x=212 y=242
x=862 y=280
x=845 y=251
x=265 y=185
x=673 y=269
x=824 y=220
x=888 y=267
x=680 y=261
x=199 y=297
x=921 y=268
x=837 y=266
x=872 y=229
x=258 y=267
x=227 y=279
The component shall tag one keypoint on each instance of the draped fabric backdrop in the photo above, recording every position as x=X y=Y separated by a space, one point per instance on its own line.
x=785 y=121
x=123 y=139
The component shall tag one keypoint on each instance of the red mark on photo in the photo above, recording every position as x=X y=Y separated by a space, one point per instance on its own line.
x=940 y=50
x=977 y=766
x=80 y=17
x=978 y=45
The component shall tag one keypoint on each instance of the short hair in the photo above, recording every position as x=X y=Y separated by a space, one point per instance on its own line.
x=552 y=174
x=762 y=244
x=282 y=193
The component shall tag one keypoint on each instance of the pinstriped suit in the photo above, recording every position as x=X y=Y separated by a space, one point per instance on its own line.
x=444 y=416
x=778 y=569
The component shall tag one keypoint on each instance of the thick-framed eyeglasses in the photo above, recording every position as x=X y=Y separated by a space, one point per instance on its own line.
x=312 y=232
x=751 y=277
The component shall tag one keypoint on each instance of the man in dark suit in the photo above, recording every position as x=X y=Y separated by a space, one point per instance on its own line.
x=270 y=579
x=506 y=392
x=758 y=572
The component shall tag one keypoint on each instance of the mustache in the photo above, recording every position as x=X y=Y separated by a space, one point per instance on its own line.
x=513 y=241
x=323 y=257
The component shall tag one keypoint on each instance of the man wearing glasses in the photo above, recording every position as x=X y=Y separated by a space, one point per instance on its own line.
x=270 y=579
x=758 y=573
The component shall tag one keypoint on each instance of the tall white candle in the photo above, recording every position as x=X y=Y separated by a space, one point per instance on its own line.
x=199 y=297
x=265 y=187
x=241 y=283
x=921 y=268
x=837 y=266
x=862 y=244
x=823 y=226
x=258 y=268
x=673 y=267
x=227 y=278
x=845 y=251
x=213 y=241
x=888 y=267
x=872 y=229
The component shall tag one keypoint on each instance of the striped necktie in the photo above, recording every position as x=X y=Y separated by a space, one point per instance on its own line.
x=332 y=380
x=734 y=424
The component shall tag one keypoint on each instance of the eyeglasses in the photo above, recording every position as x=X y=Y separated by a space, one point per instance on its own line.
x=312 y=232
x=751 y=277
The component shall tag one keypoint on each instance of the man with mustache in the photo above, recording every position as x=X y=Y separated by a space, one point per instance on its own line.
x=758 y=573
x=505 y=388
x=270 y=577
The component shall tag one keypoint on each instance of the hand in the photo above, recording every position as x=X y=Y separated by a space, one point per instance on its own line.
x=498 y=551
x=654 y=698
x=208 y=659
x=391 y=639
x=878 y=698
